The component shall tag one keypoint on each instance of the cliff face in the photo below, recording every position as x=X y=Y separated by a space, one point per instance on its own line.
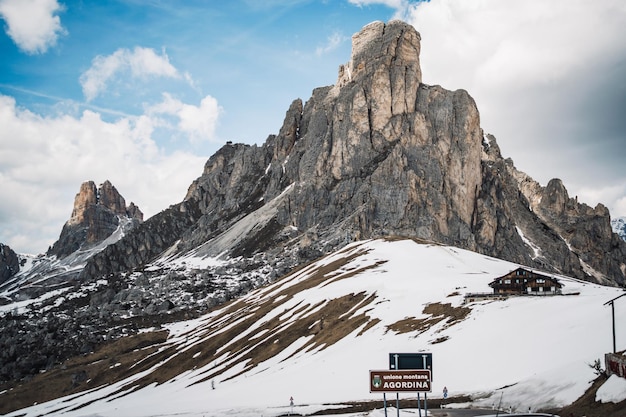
x=9 y=263
x=377 y=154
x=97 y=213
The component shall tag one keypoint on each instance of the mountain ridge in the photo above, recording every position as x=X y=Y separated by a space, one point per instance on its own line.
x=378 y=154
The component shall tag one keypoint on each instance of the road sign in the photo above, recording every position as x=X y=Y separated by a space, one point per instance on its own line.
x=422 y=360
x=414 y=380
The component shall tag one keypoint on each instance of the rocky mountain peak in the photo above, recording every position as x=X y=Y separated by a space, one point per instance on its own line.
x=377 y=154
x=106 y=196
x=97 y=213
x=393 y=45
x=555 y=197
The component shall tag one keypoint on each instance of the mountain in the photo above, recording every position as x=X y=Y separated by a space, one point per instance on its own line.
x=377 y=155
x=619 y=227
x=315 y=334
x=99 y=218
x=97 y=214
x=39 y=327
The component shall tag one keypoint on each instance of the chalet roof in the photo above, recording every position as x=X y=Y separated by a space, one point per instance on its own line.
x=533 y=274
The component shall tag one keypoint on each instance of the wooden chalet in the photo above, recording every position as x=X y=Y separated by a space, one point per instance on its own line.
x=525 y=281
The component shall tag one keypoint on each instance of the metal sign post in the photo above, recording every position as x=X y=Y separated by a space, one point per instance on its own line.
x=385 y=402
x=398 y=404
x=424 y=367
x=419 y=406
x=397 y=394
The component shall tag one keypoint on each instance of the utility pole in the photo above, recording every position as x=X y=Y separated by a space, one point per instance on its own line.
x=612 y=302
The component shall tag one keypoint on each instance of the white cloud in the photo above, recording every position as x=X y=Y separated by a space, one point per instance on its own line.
x=541 y=73
x=144 y=61
x=140 y=63
x=619 y=208
x=332 y=43
x=33 y=25
x=199 y=122
x=513 y=43
x=394 y=4
x=45 y=159
x=613 y=196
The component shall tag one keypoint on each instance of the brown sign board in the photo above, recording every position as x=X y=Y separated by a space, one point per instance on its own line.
x=413 y=380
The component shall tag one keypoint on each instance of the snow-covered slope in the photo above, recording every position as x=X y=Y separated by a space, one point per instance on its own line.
x=315 y=334
x=42 y=274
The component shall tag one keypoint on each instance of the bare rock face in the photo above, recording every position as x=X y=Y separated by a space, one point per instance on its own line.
x=378 y=154
x=9 y=263
x=586 y=230
x=97 y=213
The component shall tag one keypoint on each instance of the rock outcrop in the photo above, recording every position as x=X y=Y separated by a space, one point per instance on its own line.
x=9 y=263
x=377 y=154
x=587 y=231
x=97 y=213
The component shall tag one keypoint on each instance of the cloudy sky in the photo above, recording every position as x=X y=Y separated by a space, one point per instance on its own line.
x=142 y=93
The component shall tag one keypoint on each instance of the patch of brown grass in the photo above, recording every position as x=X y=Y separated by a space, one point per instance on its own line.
x=437 y=312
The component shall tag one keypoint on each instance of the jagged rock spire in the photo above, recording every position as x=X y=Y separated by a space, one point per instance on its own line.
x=96 y=214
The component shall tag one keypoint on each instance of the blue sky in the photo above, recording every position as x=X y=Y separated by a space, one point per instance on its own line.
x=251 y=56
x=142 y=92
